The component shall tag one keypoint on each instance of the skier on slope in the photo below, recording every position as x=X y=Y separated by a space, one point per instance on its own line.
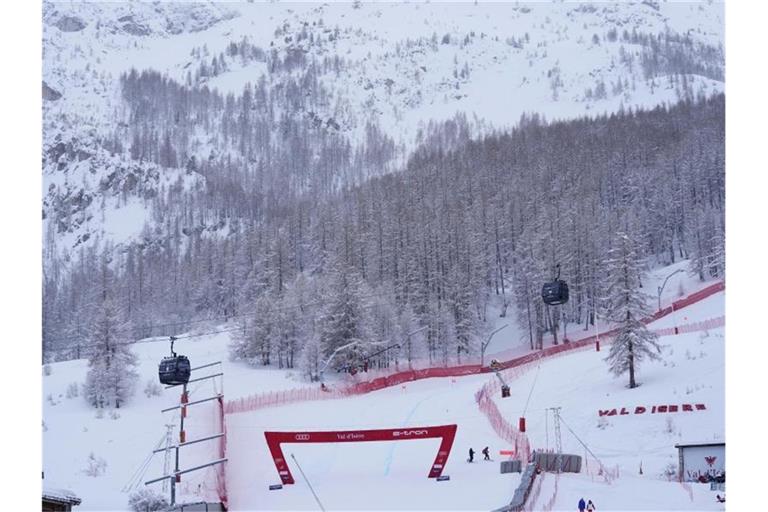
x=582 y=505
x=471 y=455
x=590 y=506
x=486 y=454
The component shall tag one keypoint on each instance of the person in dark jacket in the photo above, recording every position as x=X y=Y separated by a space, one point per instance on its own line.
x=582 y=505
x=471 y=455
x=486 y=454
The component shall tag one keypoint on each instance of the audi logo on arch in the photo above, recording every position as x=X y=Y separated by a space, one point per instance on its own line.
x=302 y=437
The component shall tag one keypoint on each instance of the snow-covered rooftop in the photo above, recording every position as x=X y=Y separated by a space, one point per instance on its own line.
x=60 y=495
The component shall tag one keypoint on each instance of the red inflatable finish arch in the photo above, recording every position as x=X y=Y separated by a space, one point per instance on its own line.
x=446 y=432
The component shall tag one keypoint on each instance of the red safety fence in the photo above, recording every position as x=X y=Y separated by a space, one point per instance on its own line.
x=534 y=492
x=699 y=295
x=705 y=325
x=550 y=504
x=221 y=474
x=687 y=488
x=505 y=430
x=687 y=301
x=277 y=398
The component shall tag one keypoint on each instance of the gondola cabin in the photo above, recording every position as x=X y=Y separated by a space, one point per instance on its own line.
x=505 y=391
x=174 y=370
x=555 y=292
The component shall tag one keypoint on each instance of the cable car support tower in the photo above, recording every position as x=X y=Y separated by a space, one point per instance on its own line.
x=175 y=476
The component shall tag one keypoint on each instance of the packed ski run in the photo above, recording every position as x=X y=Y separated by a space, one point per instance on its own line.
x=638 y=450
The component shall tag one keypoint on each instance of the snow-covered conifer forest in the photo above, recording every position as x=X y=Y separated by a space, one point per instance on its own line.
x=276 y=165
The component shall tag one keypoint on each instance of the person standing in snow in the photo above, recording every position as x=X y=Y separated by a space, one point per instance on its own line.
x=590 y=506
x=471 y=455
x=486 y=454
x=582 y=505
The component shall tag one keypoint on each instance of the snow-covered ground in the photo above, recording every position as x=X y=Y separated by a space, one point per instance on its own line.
x=124 y=438
x=691 y=371
x=381 y=475
x=371 y=475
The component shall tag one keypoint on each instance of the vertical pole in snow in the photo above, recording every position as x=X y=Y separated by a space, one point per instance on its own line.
x=558 y=439
x=167 y=460
x=308 y=484
x=597 y=332
x=182 y=438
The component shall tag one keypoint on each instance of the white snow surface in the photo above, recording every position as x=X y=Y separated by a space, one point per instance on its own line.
x=72 y=430
x=392 y=476
x=371 y=475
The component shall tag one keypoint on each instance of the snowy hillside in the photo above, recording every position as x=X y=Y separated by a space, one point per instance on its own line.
x=406 y=64
x=399 y=67
x=368 y=194
x=393 y=475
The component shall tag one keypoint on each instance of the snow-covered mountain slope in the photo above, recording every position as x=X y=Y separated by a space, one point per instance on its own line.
x=405 y=63
x=90 y=193
x=398 y=66
x=393 y=475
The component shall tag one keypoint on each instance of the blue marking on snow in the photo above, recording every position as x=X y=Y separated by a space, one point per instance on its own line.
x=404 y=425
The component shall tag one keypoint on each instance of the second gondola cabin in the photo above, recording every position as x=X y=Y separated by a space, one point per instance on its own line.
x=555 y=292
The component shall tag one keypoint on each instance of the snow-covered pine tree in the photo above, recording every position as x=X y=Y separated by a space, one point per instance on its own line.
x=412 y=346
x=625 y=304
x=344 y=322
x=309 y=360
x=253 y=343
x=111 y=376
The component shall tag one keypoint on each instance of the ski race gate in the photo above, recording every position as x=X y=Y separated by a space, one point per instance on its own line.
x=276 y=439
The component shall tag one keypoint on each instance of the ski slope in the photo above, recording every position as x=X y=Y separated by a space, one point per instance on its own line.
x=692 y=371
x=392 y=476
x=371 y=475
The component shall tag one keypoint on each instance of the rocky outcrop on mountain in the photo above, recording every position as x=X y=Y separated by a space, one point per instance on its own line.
x=70 y=24
x=49 y=93
x=136 y=18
